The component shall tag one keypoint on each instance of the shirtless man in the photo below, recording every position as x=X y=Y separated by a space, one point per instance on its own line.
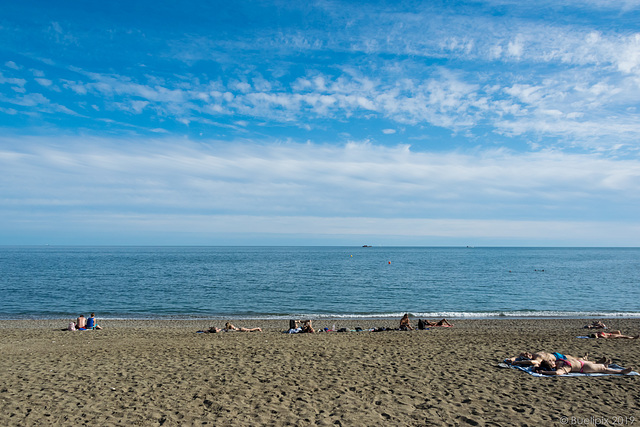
x=562 y=367
x=597 y=324
x=81 y=322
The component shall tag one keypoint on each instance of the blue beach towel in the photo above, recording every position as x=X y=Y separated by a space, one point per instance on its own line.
x=530 y=370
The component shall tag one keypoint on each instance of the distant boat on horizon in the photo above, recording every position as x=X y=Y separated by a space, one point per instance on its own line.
x=367 y=246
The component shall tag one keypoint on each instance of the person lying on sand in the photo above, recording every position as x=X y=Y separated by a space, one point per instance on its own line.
x=405 y=323
x=426 y=324
x=564 y=366
x=596 y=324
x=536 y=359
x=230 y=327
x=613 y=334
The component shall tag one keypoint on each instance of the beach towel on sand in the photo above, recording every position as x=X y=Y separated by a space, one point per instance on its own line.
x=529 y=370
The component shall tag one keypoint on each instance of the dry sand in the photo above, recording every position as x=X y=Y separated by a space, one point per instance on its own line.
x=164 y=373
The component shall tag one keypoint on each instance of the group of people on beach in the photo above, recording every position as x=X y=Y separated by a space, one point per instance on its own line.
x=305 y=326
x=405 y=323
x=84 y=324
x=542 y=362
x=561 y=364
x=598 y=324
x=300 y=327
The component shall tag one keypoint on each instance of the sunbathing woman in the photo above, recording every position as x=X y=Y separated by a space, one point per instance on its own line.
x=443 y=322
x=230 y=327
x=564 y=366
x=405 y=324
x=536 y=359
x=613 y=334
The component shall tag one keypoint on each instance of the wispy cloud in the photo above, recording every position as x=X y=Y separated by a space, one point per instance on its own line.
x=303 y=179
x=519 y=119
x=563 y=107
x=357 y=189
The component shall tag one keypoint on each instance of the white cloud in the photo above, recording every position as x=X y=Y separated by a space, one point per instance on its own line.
x=44 y=82
x=412 y=230
x=12 y=81
x=629 y=60
x=11 y=64
x=515 y=48
x=451 y=99
x=558 y=84
x=309 y=179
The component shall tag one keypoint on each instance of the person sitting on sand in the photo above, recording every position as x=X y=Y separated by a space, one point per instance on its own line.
x=613 y=334
x=92 y=323
x=81 y=322
x=596 y=324
x=405 y=324
x=564 y=366
x=230 y=327
x=307 y=328
x=426 y=323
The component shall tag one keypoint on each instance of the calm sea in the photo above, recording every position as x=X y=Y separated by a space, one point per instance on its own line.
x=284 y=282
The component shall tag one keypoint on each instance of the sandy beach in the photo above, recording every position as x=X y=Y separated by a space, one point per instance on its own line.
x=164 y=373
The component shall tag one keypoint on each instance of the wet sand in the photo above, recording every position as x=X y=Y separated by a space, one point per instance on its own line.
x=164 y=373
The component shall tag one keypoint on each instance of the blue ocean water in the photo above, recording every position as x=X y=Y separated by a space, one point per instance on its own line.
x=284 y=282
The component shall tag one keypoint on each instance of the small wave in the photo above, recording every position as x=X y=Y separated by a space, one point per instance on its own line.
x=522 y=314
x=527 y=314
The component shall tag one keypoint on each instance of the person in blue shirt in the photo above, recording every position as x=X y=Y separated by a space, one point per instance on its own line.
x=92 y=323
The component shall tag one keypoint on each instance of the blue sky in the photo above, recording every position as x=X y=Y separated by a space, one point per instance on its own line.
x=426 y=123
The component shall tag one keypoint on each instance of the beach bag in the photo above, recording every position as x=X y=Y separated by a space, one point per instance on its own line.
x=72 y=326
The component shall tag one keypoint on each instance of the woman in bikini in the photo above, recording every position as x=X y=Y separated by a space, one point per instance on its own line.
x=443 y=322
x=405 y=324
x=564 y=366
x=536 y=359
x=230 y=327
x=613 y=334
